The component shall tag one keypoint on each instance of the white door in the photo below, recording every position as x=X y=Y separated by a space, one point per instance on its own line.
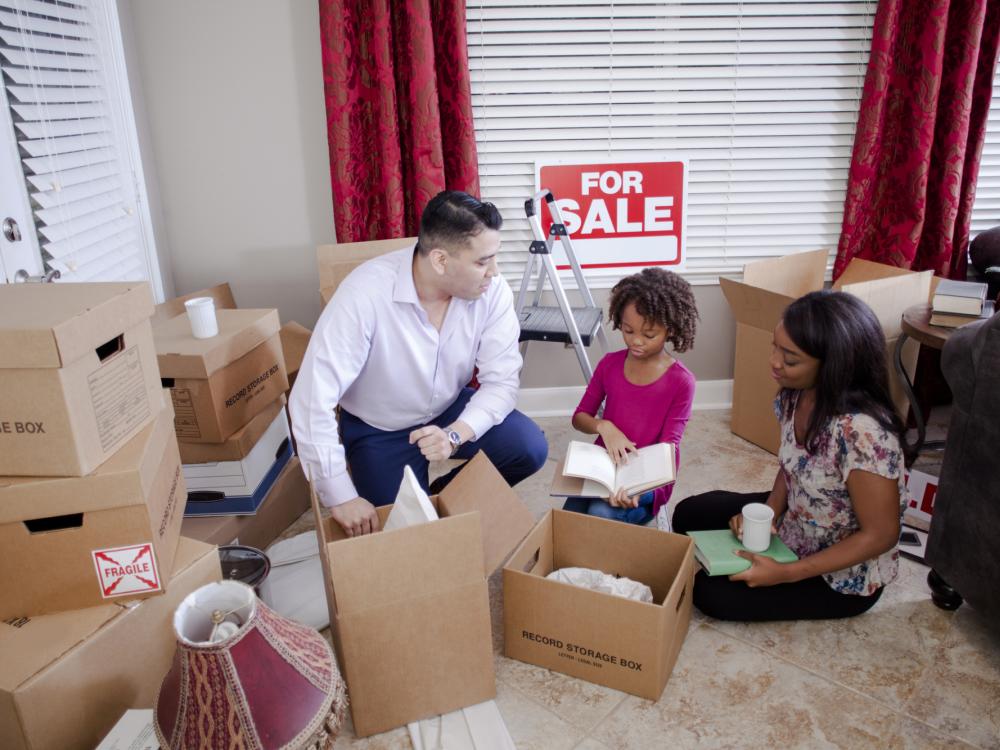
x=70 y=174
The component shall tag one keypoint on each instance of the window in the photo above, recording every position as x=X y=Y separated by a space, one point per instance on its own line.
x=986 y=210
x=761 y=97
x=68 y=124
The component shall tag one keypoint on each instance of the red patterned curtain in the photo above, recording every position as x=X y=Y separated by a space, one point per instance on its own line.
x=399 y=112
x=920 y=134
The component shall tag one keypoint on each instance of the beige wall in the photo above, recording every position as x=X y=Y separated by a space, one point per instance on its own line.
x=233 y=92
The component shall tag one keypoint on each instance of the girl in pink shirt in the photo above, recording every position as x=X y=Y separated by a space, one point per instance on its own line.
x=647 y=394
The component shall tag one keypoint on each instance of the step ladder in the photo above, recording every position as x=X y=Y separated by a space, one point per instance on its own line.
x=575 y=326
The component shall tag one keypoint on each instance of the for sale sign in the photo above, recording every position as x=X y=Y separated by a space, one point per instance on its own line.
x=126 y=570
x=619 y=214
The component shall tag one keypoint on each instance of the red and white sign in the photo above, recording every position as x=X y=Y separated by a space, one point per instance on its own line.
x=923 y=490
x=619 y=215
x=126 y=570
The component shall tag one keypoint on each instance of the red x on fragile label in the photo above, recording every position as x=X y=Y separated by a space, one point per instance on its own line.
x=126 y=570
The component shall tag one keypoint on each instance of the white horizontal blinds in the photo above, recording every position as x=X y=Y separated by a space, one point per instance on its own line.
x=761 y=97
x=986 y=209
x=60 y=88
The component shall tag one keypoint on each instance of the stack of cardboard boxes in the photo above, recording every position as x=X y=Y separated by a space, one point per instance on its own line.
x=244 y=484
x=91 y=499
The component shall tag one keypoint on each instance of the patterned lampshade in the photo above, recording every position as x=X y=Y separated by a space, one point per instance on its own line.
x=244 y=676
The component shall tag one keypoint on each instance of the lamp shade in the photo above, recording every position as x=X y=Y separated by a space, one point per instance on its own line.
x=243 y=676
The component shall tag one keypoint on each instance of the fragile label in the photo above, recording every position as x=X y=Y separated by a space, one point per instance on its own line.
x=126 y=570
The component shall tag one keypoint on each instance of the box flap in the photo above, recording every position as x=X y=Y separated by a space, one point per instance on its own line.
x=294 y=341
x=889 y=295
x=51 y=325
x=392 y=566
x=337 y=261
x=792 y=275
x=504 y=518
x=117 y=482
x=753 y=306
x=865 y=270
x=181 y=355
x=221 y=293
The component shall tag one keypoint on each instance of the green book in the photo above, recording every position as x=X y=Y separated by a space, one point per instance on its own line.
x=714 y=550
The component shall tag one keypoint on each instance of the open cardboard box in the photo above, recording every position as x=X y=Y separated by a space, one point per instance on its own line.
x=219 y=384
x=287 y=500
x=409 y=608
x=67 y=677
x=221 y=293
x=71 y=542
x=337 y=261
x=609 y=640
x=78 y=375
x=768 y=287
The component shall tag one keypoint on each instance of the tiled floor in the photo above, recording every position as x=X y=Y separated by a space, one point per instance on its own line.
x=904 y=675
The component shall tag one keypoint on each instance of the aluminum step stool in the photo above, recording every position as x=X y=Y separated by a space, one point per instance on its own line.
x=576 y=326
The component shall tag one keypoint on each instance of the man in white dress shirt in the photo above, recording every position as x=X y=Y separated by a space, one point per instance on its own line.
x=396 y=348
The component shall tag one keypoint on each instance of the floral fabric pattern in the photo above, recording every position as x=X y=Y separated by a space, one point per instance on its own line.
x=820 y=512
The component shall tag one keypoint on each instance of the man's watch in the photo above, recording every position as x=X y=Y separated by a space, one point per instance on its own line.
x=455 y=439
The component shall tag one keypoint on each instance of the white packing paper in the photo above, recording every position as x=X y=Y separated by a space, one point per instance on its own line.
x=412 y=505
x=478 y=727
x=596 y=580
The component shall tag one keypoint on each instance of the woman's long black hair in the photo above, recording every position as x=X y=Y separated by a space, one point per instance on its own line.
x=843 y=333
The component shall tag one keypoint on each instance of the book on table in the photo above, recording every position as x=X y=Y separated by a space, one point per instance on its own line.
x=715 y=551
x=588 y=471
x=952 y=320
x=959 y=297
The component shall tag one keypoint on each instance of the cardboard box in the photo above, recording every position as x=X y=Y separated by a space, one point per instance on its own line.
x=219 y=384
x=78 y=375
x=221 y=293
x=409 y=608
x=758 y=302
x=236 y=446
x=284 y=504
x=68 y=677
x=294 y=341
x=337 y=261
x=71 y=542
x=223 y=487
x=609 y=640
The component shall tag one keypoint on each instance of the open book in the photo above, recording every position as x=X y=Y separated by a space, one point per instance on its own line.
x=714 y=550
x=588 y=471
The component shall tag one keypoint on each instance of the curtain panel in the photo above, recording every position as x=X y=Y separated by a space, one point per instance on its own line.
x=920 y=134
x=399 y=113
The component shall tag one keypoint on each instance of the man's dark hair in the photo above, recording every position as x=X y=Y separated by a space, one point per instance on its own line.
x=843 y=333
x=451 y=218
x=661 y=297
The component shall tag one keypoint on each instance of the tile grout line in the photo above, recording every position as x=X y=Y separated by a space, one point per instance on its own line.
x=826 y=678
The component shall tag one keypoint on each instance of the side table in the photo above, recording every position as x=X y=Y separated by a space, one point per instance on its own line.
x=916 y=325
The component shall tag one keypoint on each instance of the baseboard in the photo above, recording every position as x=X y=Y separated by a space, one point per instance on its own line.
x=561 y=401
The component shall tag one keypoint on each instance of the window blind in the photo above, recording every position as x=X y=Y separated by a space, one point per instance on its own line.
x=65 y=97
x=760 y=97
x=986 y=209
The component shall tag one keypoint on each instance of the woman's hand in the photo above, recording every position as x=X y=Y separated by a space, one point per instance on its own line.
x=736 y=526
x=617 y=445
x=763 y=571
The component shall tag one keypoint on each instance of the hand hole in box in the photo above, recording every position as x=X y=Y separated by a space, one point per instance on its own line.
x=110 y=348
x=167 y=382
x=54 y=523
x=529 y=567
x=206 y=496
x=680 y=599
x=281 y=449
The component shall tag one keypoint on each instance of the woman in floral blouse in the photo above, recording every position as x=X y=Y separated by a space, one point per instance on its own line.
x=839 y=492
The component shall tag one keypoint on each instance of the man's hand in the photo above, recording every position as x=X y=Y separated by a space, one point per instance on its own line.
x=356 y=517
x=433 y=442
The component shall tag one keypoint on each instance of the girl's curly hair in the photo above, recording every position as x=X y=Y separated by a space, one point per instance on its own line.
x=660 y=296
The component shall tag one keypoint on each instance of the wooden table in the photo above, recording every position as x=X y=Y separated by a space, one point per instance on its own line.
x=916 y=325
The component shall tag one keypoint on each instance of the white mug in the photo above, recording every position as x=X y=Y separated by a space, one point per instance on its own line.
x=201 y=313
x=757 y=520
